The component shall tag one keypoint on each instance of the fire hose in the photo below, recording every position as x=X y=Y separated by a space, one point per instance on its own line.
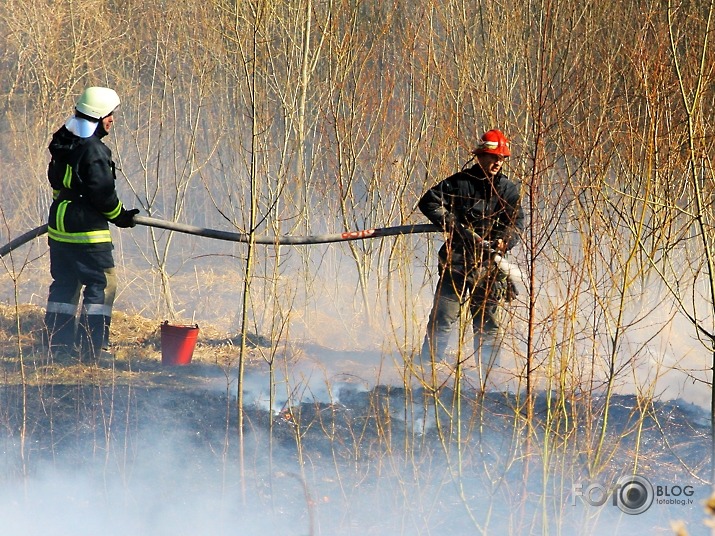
x=508 y=268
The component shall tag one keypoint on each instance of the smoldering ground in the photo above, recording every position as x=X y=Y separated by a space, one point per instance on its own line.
x=339 y=440
x=335 y=454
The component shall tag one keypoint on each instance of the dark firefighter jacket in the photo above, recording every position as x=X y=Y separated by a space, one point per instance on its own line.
x=468 y=200
x=82 y=176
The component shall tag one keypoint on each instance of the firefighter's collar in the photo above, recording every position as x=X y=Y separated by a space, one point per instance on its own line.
x=79 y=126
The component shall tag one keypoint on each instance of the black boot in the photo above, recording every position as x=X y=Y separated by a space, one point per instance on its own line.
x=91 y=337
x=60 y=334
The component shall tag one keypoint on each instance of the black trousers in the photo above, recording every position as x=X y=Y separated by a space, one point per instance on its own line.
x=74 y=268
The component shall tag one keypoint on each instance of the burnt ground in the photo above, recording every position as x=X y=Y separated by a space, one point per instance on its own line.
x=128 y=446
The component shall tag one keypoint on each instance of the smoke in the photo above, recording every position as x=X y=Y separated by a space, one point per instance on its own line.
x=351 y=461
x=347 y=441
x=336 y=444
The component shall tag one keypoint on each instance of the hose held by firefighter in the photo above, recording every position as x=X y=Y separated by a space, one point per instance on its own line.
x=479 y=211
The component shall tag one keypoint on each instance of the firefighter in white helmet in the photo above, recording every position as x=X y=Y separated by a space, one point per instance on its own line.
x=475 y=207
x=82 y=175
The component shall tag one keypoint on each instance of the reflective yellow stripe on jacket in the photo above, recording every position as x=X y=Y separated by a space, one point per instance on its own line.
x=60 y=234
x=114 y=213
x=67 y=179
x=89 y=237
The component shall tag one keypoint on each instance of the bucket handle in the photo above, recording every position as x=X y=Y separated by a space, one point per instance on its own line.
x=166 y=323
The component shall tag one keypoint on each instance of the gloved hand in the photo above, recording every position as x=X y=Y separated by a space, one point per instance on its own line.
x=126 y=218
x=468 y=235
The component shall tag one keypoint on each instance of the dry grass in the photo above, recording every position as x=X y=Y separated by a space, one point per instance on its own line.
x=135 y=354
x=354 y=438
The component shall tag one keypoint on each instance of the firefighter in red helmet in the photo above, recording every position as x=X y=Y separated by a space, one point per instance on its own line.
x=479 y=210
x=81 y=173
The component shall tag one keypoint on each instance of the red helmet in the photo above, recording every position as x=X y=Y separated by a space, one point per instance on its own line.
x=493 y=142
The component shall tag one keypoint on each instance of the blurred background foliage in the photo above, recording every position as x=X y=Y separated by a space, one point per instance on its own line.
x=336 y=115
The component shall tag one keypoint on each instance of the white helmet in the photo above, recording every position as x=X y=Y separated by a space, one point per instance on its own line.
x=97 y=102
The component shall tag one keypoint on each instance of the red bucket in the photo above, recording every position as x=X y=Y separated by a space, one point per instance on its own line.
x=178 y=343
